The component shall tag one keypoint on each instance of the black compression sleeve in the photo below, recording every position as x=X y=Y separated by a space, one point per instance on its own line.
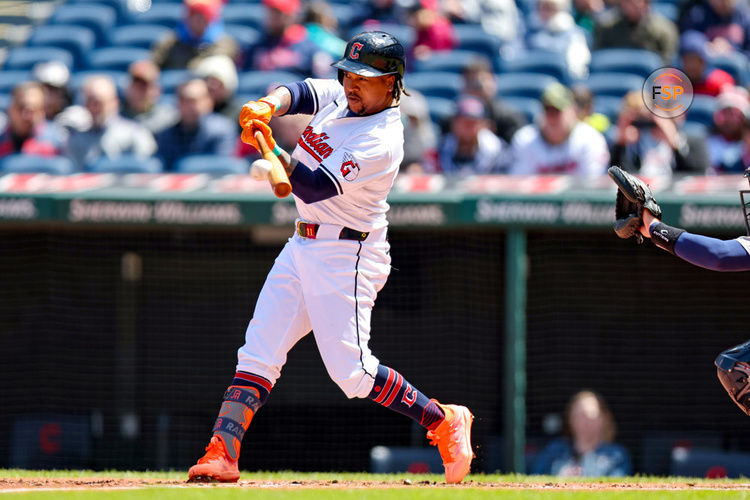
x=664 y=236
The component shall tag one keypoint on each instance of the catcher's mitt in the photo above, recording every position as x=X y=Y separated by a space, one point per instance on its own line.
x=633 y=195
x=734 y=374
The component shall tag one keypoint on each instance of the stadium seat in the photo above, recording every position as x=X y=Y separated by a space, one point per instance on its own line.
x=246 y=36
x=171 y=100
x=614 y=84
x=127 y=165
x=404 y=34
x=435 y=83
x=25 y=164
x=537 y=61
x=243 y=15
x=170 y=79
x=529 y=106
x=609 y=106
x=27 y=57
x=635 y=61
x=345 y=14
x=137 y=35
x=695 y=129
x=78 y=40
x=257 y=82
x=449 y=60
x=212 y=164
x=97 y=17
x=522 y=84
x=668 y=10
x=120 y=6
x=440 y=108
x=702 y=110
x=473 y=38
x=115 y=58
x=710 y=463
x=166 y=14
x=525 y=7
x=11 y=78
x=736 y=64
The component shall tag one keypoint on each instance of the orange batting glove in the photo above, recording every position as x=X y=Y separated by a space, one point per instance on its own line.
x=248 y=134
x=262 y=109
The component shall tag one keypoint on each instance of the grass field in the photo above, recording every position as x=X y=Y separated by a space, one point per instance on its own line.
x=89 y=485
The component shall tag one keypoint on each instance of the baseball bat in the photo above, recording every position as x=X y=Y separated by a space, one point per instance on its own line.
x=277 y=175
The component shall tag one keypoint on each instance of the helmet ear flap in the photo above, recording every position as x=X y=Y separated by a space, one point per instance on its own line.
x=341 y=76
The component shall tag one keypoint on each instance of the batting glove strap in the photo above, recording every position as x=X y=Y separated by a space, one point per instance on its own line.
x=664 y=236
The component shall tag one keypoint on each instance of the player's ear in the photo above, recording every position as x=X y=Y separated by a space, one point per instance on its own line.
x=391 y=83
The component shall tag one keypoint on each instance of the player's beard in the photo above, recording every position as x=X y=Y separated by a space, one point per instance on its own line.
x=356 y=104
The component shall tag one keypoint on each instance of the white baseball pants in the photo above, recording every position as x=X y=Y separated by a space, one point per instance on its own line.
x=326 y=285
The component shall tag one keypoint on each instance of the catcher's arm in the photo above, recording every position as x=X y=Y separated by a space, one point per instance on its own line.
x=702 y=251
x=648 y=219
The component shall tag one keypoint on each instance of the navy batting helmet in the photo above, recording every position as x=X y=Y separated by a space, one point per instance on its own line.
x=372 y=53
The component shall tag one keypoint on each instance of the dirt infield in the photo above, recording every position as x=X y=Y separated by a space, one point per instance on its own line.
x=104 y=483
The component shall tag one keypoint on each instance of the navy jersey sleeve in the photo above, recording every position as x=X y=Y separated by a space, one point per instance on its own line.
x=304 y=100
x=312 y=185
x=713 y=253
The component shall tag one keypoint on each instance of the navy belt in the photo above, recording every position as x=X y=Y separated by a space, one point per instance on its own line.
x=310 y=231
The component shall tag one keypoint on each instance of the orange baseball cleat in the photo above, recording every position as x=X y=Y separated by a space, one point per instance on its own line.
x=215 y=465
x=453 y=439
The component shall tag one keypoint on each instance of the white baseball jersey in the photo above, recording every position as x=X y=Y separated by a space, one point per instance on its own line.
x=361 y=155
x=327 y=284
x=583 y=154
x=745 y=242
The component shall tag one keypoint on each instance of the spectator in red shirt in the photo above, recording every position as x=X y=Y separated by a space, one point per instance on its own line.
x=694 y=60
x=288 y=45
x=28 y=132
x=198 y=35
x=434 y=30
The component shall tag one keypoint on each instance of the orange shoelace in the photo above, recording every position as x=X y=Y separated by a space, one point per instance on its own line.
x=214 y=450
x=444 y=443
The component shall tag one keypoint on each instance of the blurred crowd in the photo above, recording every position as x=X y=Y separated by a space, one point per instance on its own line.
x=96 y=118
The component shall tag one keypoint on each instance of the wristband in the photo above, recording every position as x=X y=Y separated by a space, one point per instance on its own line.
x=277 y=150
x=272 y=101
x=664 y=236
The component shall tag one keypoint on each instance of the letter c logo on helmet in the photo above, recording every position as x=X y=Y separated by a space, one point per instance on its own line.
x=354 y=52
x=370 y=54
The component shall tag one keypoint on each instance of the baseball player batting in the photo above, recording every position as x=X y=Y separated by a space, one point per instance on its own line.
x=637 y=215
x=330 y=271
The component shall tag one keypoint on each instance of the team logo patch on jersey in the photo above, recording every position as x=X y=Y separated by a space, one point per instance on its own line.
x=349 y=168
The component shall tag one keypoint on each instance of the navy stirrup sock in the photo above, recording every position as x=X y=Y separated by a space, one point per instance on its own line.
x=393 y=391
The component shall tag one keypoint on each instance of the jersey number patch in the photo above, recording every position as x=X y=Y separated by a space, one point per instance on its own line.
x=349 y=168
